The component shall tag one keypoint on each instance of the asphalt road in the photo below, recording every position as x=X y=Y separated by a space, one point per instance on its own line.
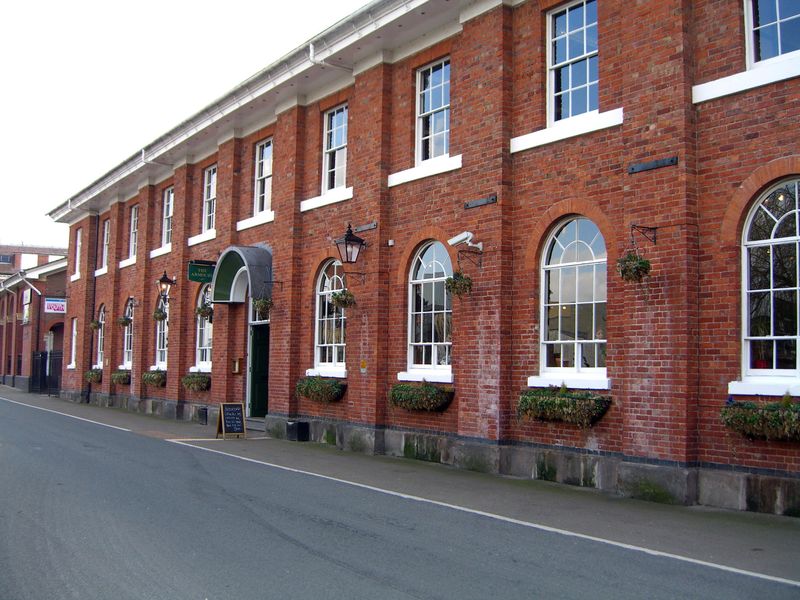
x=92 y=512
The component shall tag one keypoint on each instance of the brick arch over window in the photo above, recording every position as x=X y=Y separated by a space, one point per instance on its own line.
x=749 y=192
x=403 y=266
x=319 y=260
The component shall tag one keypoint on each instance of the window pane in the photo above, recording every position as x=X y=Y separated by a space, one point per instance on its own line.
x=588 y=356
x=568 y=356
x=788 y=8
x=785 y=313
x=578 y=73
x=552 y=322
x=553 y=358
x=585 y=326
x=559 y=50
x=579 y=100
x=551 y=283
x=568 y=283
x=600 y=321
x=784 y=265
x=760 y=316
x=600 y=282
x=759 y=267
x=591 y=38
x=585 y=283
x=766 y=40
x=764 y=12
x=761 y=354
x=560 y=24
x=790 y=34
x=787 y=227
x=567 y=322
x=601 y=355
x=786 y=357
x=761 y=226
x=427 y=328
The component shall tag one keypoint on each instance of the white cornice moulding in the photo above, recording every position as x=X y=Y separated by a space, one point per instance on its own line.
x=290 y=103
x=478 y=8
x=421 y=43
x=333 y=196
x=568 y=128
x=231 y=135
x=263 y=217
x=259 y=126
x=147 y=181
x=427 y=168
x=207 y=235
x=759 y=75
x=184 y=161
x=339 y=84
x=384 y=56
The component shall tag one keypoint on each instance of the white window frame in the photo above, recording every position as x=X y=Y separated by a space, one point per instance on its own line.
x=133 y=239
x=262 y=190
x=551 y=68
x=101 y=337
x=73 y=346
x=327 y=316
x=162 y=337
x=78 y=239
x=106 y=242
x=334 y=156
x=168 y=203
x=127 y=338
x=204 y=336
x=429 y=115
x=209 y=198
x=750 y=45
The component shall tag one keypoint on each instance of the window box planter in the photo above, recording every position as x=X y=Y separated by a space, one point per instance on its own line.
x=155 y=378
x=262 y=306
x=205 y=311
x=320 y=389
x=559 y=404
x=121 y=377
x=421 y=396
x=343 y=299
x=124 y=321
x=159 y=314
x=196 y=382
x=632 y=267
x=774 y=421
x=459 y=284
x=93 y=376
x=95 y=325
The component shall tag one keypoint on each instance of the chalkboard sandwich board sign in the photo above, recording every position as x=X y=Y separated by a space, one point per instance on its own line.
x=230 y=422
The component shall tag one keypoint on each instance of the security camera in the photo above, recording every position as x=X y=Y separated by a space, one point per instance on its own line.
x=461 y=238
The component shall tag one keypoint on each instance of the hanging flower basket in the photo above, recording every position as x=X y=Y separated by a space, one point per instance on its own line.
x=121 y=377
x=421 y=396
x=343 y=299
x=262 y=306
x=205 y=310
x=553 y=404
x=93 y=376
x=196 y=382
x=159 y=314
x=774 y=421
x=632 y=267
x=459 y=284
x=155 y=378
x=320 y=389
x=95 y=325
x=124 y=321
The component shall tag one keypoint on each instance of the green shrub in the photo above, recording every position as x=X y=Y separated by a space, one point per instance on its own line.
x=420 y=396
x=121 y=377
x=196 y=382
x=155 y=378
x=554 y=404
x=774 y=421
x=93 y=375
x=320 y=389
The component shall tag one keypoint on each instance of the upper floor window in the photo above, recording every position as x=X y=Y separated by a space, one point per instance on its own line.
x=263 y=187
x=205 y=330
x=334 y=157
x=574 y=300
x=133 y=243
x=209 y=198
x=330 y=330
x=162 y=335
x=430 y=309
x=771 y=284
x=73 y=346
x=78 y=236
x=127 y=337
x=433 y=110
x=101 y=335
x=572 y=60
x=166 y=218
x=774 y=27
x=7 y=259
x=106 y=241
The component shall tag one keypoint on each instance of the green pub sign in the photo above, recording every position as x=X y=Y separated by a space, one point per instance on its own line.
x=201 y=271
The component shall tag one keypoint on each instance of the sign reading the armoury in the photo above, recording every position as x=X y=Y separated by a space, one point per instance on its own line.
x=201 y=271
x=55 y=305
x=230 y=422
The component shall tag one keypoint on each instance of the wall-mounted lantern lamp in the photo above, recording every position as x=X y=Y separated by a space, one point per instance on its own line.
x=164 y=284
x=349 y=246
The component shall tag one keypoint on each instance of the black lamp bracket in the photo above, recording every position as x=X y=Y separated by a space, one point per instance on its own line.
x=473 y=255
x=649 y=233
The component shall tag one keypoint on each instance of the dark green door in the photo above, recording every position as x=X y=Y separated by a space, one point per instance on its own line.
x=259 y=370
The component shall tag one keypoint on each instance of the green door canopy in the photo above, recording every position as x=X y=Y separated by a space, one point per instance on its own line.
x=240 y=268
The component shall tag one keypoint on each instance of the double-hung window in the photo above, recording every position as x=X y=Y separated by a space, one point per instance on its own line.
x=331 y=320
x=166 y=218
x=433 y=110
x=334 y=157
x=162 y=336
x=127 y=337
x=77 y=271
x=774 y=28
x=101 y=335
x=205 y=329
x=73 y=347
x=133 y=240
x=572 y=60
x=106 y=242
x=209 y=198
x=263 y=187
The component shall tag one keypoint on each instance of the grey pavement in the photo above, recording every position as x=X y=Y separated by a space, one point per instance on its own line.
x=758 y=543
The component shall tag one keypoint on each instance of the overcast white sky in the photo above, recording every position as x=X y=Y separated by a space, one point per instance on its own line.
x=87 y=83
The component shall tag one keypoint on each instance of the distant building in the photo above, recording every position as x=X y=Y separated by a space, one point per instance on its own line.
x=16 y=258
x=531 y=145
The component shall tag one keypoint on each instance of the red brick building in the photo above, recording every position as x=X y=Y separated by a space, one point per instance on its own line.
x=529 y=144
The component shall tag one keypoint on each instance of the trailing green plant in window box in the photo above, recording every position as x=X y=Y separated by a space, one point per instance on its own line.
x=262 y=306
x=773 y=421
x=196 y=382
x=343 y=299
x=155 y=378
x=124 y=321
x=320 y=389
x=121 y=377
x=633 y=267
x=559 y=404
x=421 y=396
x=93 y=375
x=94 y=324
x=459 y=284
x=159 y=314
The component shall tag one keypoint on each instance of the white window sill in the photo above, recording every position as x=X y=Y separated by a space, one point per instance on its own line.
x=429 y=375
x=202 y=368
x=785 y=67
x=337 y=372
x=208 y=234
x=433 y=166
x=568 y=128
x=74 y=277
x=127 y=262
x=71 y=367
x=333 y=196
x=126 y=367
x=98 y=366
x=573 y=382
x=165 y=249
x=159 y=367
x=765 y=386
x=267 y=216
x=101 y=271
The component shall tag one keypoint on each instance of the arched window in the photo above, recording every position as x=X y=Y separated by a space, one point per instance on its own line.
x=430 y=314
x=127 y=337
x=770 y=332
x=330 y=330
x=573 y=301
x=162 y=336
x=101 y=335
x=205 y=331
